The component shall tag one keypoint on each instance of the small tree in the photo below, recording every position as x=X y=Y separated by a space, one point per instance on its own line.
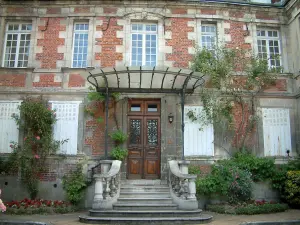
x=36 y=120
x=235 y=77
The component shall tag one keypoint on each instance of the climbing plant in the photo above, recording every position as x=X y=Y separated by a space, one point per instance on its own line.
x=235 y=77
x=36 y=121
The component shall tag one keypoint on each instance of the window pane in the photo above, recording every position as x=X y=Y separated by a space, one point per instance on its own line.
x=135 y=108
x=80 y=47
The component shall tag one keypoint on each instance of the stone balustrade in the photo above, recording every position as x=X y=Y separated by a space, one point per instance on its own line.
x=107 y=184
x=182 y=185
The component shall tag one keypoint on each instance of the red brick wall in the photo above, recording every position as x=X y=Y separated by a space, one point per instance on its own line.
x=108 y=42
x=50 y=42
x=46 y=80
x=180 y=42
x=76 y=80
x=238 y=35
x=81 y=9
x=12 y=80
x=97 y=140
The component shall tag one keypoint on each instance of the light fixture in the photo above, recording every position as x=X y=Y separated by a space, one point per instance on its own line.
x=170 y=118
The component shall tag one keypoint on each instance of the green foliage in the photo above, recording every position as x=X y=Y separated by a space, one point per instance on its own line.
x=226 y=180
x=36 y=120
x=74 y=185
x=261 y=169
x=193 y=169
x=292 y=188
x=234 y=75
x=119 y=153
x=248 y=209
x=118 y=136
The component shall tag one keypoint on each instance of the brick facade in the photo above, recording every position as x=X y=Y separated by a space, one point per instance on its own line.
x=51 y=52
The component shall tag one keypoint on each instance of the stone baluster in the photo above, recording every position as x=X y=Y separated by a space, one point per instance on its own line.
x=192 y=189
x=113 y=187
x=98 y=197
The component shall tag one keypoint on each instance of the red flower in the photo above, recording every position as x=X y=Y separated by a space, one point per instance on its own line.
x=37 y=156
x=25 y=138
x=11 y=146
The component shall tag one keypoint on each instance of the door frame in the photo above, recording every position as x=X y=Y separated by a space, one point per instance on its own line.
x=144 y=114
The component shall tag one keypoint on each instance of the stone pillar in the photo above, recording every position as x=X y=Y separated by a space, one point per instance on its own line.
x=98 y=197
x=192 y=189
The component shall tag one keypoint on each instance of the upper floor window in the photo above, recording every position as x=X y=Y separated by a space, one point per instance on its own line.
x=80 y=45
x=143 y=44
x=268 y=43
x=208 y=36
x=17 y=45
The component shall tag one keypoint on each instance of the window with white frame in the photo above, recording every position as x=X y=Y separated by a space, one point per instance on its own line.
x=197 y=142
x=9 y=131
x=143 y=44
x=208 y=36
x=17 y=45
x=66 y=126
x=80 y=45
x=268 y=44
x=277 y=133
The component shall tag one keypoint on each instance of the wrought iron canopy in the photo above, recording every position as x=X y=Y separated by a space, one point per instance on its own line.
x=145 y=80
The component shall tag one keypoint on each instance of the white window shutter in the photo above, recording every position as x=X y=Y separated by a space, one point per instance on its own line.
x=277 y=132
x=197 y=142
x=8 y=128
x=66 y=126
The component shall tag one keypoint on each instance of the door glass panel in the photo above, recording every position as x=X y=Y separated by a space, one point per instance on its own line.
x=152 y=132
x=135 y=132
x=135 y=108
x=152 y=108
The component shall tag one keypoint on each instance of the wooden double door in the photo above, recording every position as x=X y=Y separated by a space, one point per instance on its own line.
x=144 y=139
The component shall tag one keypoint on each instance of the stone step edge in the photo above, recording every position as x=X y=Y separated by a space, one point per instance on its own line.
x=202 y=217
x=141 y=205
x=150 y=198
x=146 y=211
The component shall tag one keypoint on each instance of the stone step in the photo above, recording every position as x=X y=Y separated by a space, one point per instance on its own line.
x=162 y=194
x=142 y=207
x=146 y=220
x=146 y=213
x=143 y=200
x=144 y=182
x=144 y=189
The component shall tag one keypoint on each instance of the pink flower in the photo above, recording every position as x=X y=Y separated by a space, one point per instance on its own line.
x=36 y=156
x=37 y=137
x=11 y=146
x=25 y=138
x=2 y=206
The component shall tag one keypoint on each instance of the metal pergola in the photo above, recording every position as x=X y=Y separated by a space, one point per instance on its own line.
x=145 y=80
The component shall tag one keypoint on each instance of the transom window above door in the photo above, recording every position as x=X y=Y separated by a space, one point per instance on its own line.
x=143 y=44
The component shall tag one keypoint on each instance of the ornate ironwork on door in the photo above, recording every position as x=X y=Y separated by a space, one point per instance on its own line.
x=135 y=131
x=152 y=132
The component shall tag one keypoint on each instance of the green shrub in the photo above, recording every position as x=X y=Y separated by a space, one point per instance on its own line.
x=74 y=184
x=292 y=188
x=193 y=169
x=226 y=180
x=119 y=153
x=248 y=209
x=118 y=136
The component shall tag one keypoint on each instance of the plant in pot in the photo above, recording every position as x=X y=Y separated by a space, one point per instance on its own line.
x=118 y=137
x=119 y=153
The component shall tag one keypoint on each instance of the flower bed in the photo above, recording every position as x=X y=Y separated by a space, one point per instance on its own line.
x=251 y=208
x=38 y=206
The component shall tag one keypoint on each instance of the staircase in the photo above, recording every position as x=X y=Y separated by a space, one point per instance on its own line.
x=145 y=202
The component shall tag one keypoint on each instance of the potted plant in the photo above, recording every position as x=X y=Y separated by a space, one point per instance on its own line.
x=119 y=153
x=118 y=137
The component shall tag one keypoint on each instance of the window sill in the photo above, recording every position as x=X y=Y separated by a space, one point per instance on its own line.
x=25 y=69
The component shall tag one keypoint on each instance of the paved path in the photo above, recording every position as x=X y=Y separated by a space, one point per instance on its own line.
x=219 y=219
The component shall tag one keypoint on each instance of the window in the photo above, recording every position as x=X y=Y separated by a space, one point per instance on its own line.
x=197 y=142
x=143 y=44
x=17 y=45
x=8 y=128
x=208 y=36
x=66 y=126
x=276 y=128
x=268 y=44
x=80 y=45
